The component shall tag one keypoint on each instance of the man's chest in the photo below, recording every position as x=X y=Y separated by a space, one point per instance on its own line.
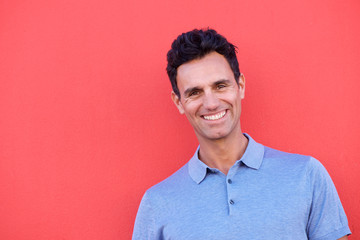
x=257 y=209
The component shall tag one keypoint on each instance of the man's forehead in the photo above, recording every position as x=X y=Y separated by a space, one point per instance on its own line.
x=207 y=70
x=212 y=58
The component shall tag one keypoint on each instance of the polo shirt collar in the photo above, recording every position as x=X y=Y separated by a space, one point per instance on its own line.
x=252 y=158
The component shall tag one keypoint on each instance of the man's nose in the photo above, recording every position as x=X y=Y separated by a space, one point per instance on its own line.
x=211 y=101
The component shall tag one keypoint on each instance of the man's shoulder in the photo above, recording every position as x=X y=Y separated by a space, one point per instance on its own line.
x=277 y=154
x=273 y=156
x=172 y=184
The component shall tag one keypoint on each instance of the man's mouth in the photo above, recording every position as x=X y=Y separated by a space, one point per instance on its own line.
x=215 y=116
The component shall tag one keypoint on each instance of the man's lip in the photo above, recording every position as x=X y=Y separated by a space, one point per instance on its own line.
x=214 y=116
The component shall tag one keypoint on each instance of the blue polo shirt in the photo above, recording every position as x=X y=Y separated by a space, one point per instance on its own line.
x=267 y=194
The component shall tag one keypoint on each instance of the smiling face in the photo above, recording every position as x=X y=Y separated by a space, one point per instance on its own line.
x=210 y=97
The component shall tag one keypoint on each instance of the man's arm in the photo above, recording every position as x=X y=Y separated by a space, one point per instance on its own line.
x=143 y=222
x=327 y=218
x=343 y=238
x=145 y=227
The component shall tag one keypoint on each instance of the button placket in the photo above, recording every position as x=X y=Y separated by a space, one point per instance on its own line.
x=229 y=189
x=234 y=200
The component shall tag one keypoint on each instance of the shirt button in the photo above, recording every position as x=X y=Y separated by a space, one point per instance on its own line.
x=229 y=181
x=231 y=202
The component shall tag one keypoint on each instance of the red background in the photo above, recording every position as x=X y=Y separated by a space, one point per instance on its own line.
x=86 y=120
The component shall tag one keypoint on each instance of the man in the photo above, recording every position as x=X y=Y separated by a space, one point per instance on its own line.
x=233 y=187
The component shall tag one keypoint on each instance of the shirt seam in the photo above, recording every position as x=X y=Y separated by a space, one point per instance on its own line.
x=331 y=233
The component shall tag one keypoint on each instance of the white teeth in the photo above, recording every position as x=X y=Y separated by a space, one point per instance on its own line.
x=216 y=116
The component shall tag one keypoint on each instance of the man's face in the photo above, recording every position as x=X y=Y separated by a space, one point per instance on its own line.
x=210 y=96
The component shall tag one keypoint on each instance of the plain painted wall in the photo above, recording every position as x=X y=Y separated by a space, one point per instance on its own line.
x=86 y=120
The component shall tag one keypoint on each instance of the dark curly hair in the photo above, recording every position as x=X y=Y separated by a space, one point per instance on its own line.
x=196 y=44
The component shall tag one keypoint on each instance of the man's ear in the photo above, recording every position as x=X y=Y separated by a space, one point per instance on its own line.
x=177 y=102
x=242 y=85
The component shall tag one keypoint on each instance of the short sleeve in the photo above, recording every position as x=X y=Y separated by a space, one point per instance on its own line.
x=327 y=220
x=145 y=227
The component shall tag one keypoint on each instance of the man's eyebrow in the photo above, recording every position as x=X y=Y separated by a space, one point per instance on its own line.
x=227 y=81
x=189 y=90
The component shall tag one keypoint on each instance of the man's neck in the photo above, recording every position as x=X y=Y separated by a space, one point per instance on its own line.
x=223 y=153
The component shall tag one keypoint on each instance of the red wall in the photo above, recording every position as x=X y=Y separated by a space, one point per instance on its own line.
x=86 y=120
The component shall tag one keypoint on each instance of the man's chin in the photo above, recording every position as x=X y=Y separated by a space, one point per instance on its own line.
x=214 y=136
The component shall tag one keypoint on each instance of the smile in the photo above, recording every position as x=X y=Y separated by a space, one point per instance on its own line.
x=215 y=116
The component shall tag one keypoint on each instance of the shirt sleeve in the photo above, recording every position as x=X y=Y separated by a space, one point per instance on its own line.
x=327 y=220
x=145 y=226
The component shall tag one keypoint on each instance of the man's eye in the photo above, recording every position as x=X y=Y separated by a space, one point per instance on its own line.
x=193 y=93
x=220 y=86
